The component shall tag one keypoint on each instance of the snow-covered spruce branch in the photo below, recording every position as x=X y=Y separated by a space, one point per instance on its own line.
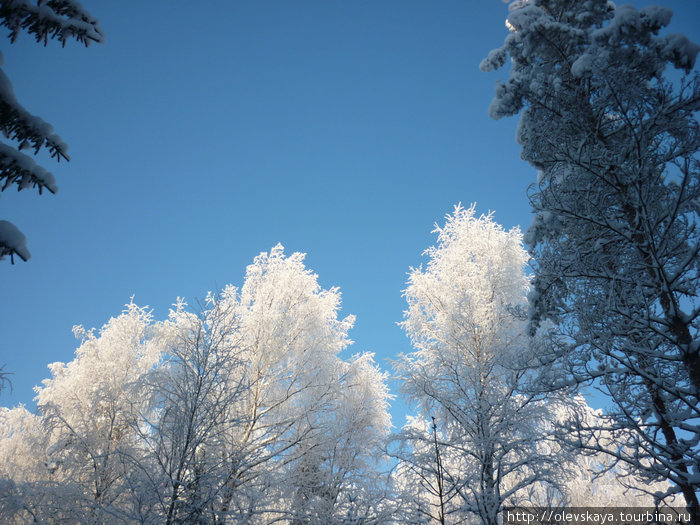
x=45 y=20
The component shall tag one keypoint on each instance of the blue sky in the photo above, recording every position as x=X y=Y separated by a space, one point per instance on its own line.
x=204 y=133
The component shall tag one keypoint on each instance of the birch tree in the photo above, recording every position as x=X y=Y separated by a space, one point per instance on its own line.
x=252 y=416
x=342 y=476
x=241 y=411
x=466 y=324
x=84 y=426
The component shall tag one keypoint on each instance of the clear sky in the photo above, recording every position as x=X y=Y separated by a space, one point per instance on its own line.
x=203 y=133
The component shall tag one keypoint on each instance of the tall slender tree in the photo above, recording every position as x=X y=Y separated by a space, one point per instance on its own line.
x=465 y=320
x=615 y=239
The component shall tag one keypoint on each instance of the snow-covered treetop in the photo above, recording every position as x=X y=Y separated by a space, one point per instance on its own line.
x=579 y=35
x=476 y=269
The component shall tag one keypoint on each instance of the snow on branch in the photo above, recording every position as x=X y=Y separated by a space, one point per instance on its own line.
x=12 y=242
x=16 y=123
x=15 y=167
x=50 y=19
x=44 y=19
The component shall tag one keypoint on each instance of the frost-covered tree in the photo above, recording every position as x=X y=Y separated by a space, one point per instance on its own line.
x=70 y=463
x=596 y=479
x=615 y=239
x=252 y=415
x=338 y=479
x=241 y=412
x=584 y=481
x=466 y=323
x=322 y=419
x=87 y=409
x=188 y=408
x=25 y=492
x=45 y=20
